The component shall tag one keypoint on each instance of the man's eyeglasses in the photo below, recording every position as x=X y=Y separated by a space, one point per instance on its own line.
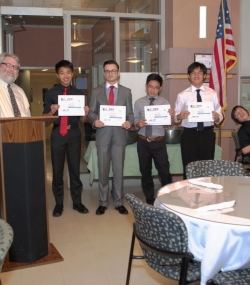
x=8 y=65
x=157 y=88
x=110 y=71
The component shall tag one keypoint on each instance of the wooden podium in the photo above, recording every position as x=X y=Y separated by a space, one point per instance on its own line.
x=23 y=191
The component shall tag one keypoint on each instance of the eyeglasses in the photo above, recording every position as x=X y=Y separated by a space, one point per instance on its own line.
x=8 y=65
x=157 y=88
x=196 y=73
x=110 y=71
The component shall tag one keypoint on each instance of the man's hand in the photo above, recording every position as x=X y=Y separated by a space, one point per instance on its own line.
x=54 y=108
x=86 y=109
x=216 y=117
x=171 y=112
x=99 y=124
x=142 y=123
x=183 y=115
x=126 y=125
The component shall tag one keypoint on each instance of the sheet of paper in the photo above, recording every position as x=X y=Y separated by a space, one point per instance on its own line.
x=157 y=115
x=71 y=105
x=112 y=115
x=200 y=111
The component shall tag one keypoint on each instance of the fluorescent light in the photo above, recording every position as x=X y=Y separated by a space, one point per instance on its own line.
x=45 y=69
x=77 y=44
x=203 y=22
x=133 y=59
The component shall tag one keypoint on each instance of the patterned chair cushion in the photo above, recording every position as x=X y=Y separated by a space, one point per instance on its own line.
x=236 y=277
x=208 y=168
x=6 y=238
x=165 y=231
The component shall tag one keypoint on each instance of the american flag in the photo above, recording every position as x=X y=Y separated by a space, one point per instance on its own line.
x=224 y=56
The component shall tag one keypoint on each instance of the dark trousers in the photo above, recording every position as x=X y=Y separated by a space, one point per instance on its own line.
x=69 y=145
x=196 y=146
x=156 y=151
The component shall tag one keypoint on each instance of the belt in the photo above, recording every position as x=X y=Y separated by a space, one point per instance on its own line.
x=204 y=128
x=157 y=139
x=68 y=127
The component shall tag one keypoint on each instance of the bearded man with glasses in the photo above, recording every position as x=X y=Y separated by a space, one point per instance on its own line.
x=13 y=101
x=110 y=140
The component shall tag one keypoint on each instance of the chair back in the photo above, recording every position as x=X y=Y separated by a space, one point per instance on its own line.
x=160 y=229
x=6 y=238
x=208 y=168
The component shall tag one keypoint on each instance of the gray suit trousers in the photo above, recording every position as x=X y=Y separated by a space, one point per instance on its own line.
x=115 y=154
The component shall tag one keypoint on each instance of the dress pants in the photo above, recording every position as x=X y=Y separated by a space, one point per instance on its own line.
x=69 y=145
x=115 y=154
x=196 y=145
x=156 y=151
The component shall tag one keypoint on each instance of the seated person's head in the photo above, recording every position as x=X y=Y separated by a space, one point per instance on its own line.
x=239 y=114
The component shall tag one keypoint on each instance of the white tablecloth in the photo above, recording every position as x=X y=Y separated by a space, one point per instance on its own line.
x=217 y=246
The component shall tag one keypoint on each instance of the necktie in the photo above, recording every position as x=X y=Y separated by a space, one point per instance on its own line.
x=148 y=132
x=200 y=125
x=111 y=96
x=64 y=120
x=13 y=102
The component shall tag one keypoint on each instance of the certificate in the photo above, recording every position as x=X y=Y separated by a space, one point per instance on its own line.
x=157 y=115
x=200 y=111
x=71 y=105
x=112 y=115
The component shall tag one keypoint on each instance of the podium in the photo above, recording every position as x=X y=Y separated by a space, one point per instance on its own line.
x=23 y=191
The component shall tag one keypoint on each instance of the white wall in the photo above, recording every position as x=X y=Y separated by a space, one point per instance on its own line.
x=245 y=39
x=136 y=82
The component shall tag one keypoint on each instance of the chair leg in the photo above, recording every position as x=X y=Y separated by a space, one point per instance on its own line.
x=184 y=269
x=130 y=258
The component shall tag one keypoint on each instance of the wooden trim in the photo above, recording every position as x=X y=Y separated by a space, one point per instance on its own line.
x=224 y=133
x=185 y=76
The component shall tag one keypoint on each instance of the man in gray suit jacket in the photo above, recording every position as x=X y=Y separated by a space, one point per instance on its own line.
x=111 y=140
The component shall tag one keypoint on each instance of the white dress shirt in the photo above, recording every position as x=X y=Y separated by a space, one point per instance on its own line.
x=190 y=95
x=6 y=110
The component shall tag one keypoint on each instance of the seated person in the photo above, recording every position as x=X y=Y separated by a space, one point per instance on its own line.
x=240 y=115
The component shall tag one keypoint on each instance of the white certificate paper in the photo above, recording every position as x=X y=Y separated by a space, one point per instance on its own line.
x=112 y=115
x=157 y=115
x=71 y=105
x=200 y=112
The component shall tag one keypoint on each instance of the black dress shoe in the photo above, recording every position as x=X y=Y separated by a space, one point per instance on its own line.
x=101 y=210
x=122 y=210
x=80 y=208
x=150 y=202
x=57 y=212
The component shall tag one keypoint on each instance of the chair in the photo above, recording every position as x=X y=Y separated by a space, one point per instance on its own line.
x=243 y=158
x=163 y=238
x=6 y=238
x=239 y=277
x=208 y=168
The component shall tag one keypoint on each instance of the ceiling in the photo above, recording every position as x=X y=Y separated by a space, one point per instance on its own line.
x=82 y=5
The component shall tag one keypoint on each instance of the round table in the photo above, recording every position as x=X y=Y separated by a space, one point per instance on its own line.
x=219 y=239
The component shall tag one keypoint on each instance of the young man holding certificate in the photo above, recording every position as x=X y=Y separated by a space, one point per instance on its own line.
x=197 y=109
x=65 y=135
x=151 y=112
x=111 y=114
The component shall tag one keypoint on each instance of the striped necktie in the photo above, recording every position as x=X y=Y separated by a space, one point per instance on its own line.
x=13 y=102
x=148 y=132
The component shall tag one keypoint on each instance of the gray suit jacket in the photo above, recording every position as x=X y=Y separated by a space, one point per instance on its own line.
x=106 y=135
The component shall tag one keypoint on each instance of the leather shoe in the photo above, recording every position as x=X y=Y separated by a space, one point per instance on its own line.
x=80 y=208
x=57 y=212
x=101 y=210
x=122 y=210
x=150 y=202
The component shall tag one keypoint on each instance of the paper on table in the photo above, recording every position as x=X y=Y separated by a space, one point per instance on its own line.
x=218 y=206
x=205 y=184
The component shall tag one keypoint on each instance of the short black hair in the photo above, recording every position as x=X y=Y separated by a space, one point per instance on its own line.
x=195 y=65
x=64 y=63
x=111 y=61
x=154 y=76
x=234 y=111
